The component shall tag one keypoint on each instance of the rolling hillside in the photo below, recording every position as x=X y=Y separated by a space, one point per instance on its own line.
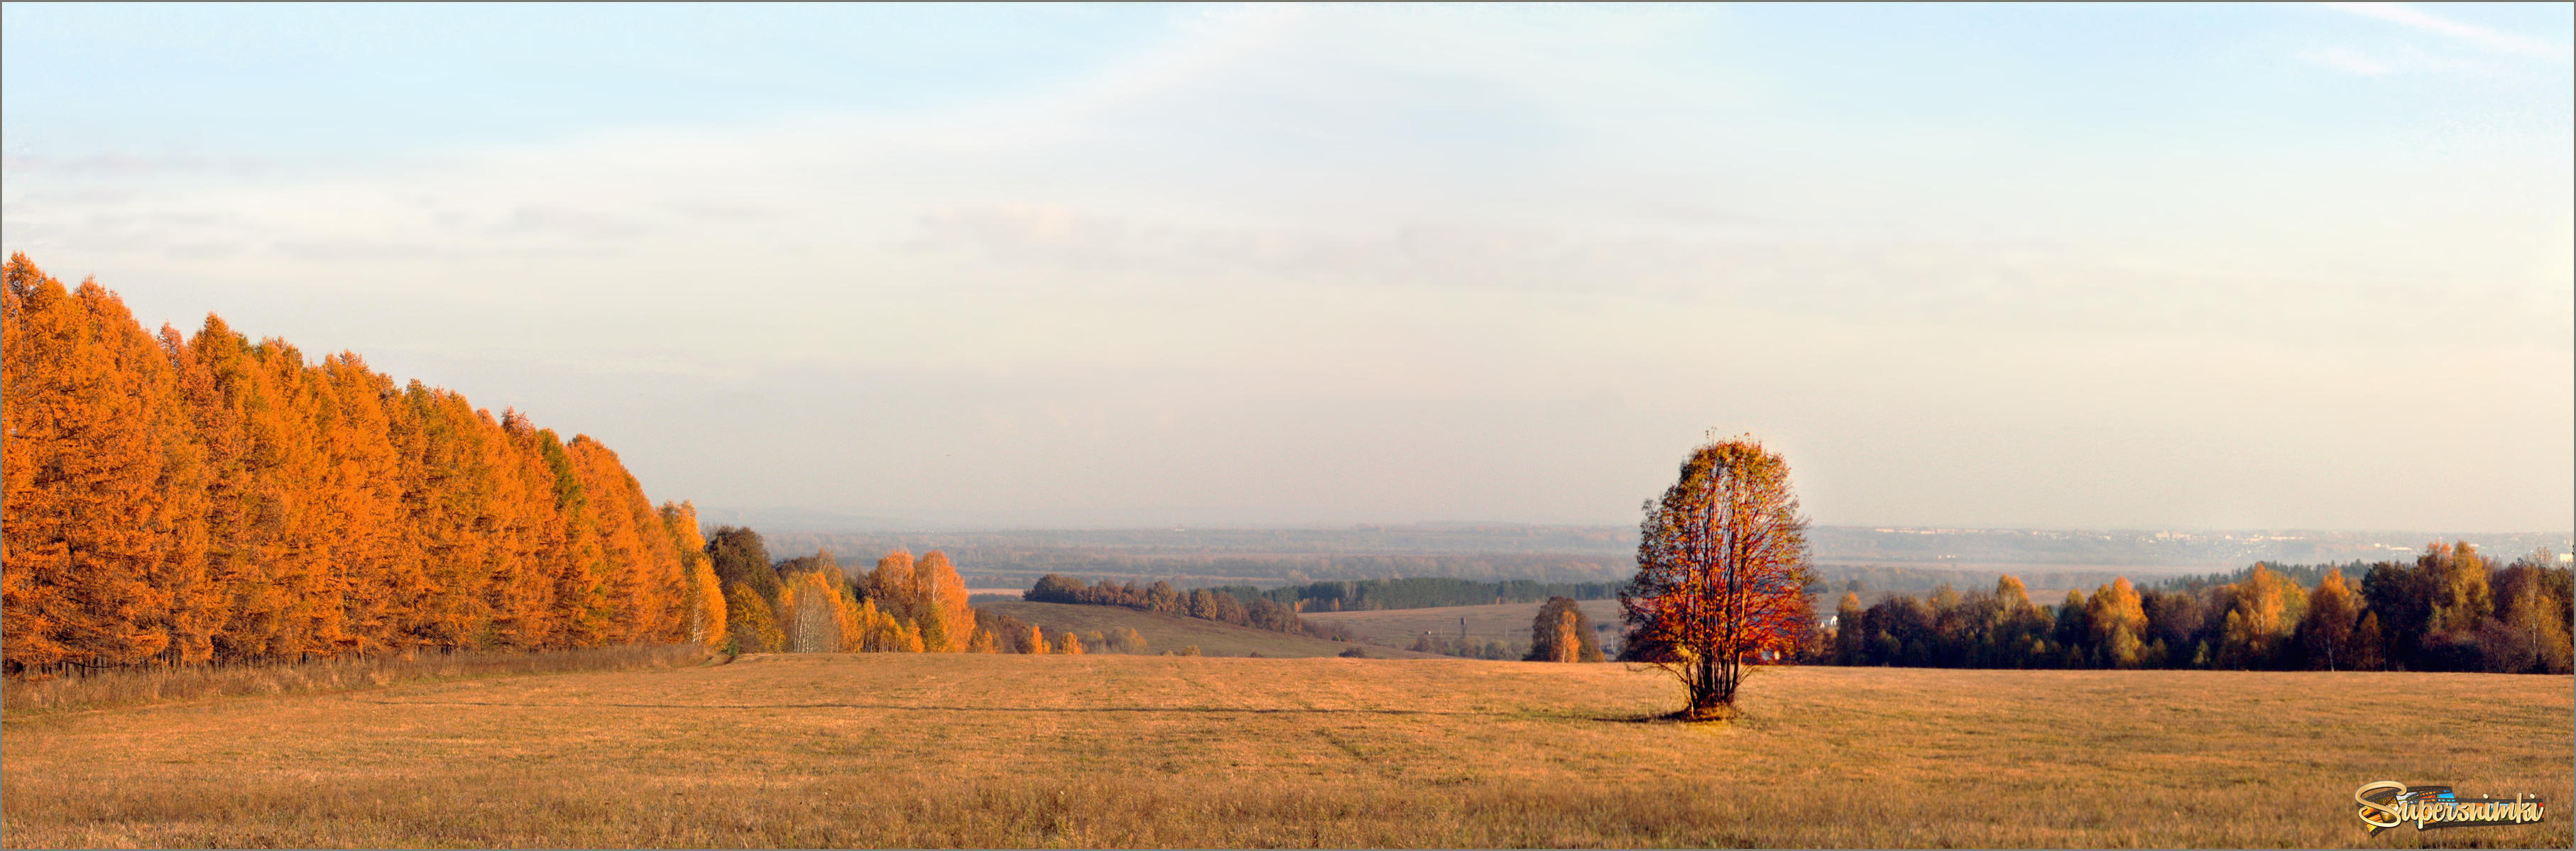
x=1166 y=632
x=1508 y=623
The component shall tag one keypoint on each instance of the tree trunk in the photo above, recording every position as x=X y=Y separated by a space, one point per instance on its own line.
x=1712 y=691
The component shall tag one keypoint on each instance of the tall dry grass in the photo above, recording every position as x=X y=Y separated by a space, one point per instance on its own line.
x=158 y=684
x=929 y=750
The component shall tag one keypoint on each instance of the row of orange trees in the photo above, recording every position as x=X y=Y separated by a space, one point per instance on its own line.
x=175 y=499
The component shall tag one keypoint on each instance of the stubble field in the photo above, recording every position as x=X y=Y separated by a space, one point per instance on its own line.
x=935 y=750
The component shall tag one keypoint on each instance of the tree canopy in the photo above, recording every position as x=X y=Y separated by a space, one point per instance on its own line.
x=1722 y=574
x=177 y=499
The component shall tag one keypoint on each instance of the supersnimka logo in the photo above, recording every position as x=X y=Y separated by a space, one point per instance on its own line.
x=2385 y=804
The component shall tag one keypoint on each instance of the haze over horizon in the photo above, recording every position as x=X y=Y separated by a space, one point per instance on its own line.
x=802 y=519
x=2265 y=267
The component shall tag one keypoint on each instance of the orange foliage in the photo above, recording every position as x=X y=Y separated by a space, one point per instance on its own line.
x=191 y=499
x=947 y=622
x=1721 y=573
x=893 y=586
x=702 y=604
x=813 y=617
x=925 y=601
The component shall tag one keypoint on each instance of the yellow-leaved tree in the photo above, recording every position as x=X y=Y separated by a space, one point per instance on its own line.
x=2334 y=612
x=894 y=587
x=2119 y=624
x=947 y=622
x=2263 y=611
x=702 y=613
x=812 y=609
x=879 y=632
x=747 y=617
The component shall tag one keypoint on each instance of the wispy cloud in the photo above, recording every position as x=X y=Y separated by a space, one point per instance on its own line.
x=2347 y=59
x=2401 y=59
x=2489 y=38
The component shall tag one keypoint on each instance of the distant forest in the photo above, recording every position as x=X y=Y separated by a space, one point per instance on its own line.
x=1202 y=603
x=2452 y=609
x=1419 y=593
x=1015 y=568
x=1884 y=559
x=1277 y=609
x=2306 y=576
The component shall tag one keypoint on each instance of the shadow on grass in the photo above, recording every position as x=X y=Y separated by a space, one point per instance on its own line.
x=1676 y=717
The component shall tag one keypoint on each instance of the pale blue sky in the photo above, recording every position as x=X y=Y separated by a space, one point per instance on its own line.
x=2137 y=266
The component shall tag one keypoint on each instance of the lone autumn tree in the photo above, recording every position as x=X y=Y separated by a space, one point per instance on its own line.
x=1722 y=574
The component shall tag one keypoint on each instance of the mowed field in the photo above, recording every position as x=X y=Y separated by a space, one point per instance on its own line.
x=1171 y=632
x=943 y=750
x=1506 y=622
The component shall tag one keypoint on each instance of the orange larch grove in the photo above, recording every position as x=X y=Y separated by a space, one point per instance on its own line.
x=177 y=499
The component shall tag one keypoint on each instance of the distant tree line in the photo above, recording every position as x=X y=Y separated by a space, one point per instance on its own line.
x=1874 y=581
x=1419 y=593
x=1202 y=603
x=1023 y=564
x=2306 y=576
x=2453 y=609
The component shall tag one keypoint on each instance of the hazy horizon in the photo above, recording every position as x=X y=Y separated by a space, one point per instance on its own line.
x=787 y=519
x=2060 y=267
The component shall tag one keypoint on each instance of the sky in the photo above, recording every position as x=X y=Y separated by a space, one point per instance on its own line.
x=2241 y=266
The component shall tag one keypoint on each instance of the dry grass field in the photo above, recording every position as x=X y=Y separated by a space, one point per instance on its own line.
x=940 y=750
x=1171 y=632
x=1507 y=622
x=136 y=686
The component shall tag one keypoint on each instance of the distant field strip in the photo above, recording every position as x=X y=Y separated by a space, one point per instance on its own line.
x=950 y=750
x=1171 y=632
x=1507 y=622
